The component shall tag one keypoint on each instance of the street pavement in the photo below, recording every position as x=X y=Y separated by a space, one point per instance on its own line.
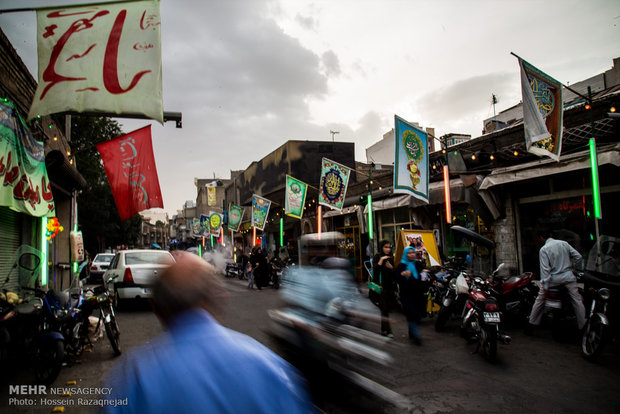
x=532 y=374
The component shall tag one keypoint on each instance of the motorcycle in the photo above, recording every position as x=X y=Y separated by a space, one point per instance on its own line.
x=278 y=268
x=322 y=331
x=602 y=286
x=100 y=304
x=454 y=297
x=558 y=312
x=27 y=328
x=482 y=319
x=515 y=294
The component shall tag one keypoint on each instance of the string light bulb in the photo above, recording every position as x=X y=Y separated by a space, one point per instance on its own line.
x=516 y=153
x=492 y=157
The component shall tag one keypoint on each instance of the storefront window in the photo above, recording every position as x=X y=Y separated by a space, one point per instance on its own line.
x=393 y=220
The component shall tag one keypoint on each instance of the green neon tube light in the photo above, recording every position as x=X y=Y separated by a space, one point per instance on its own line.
x=595 y=183
x=370 y=224
x=281 y=231
x=44 y=251
x=199 y=251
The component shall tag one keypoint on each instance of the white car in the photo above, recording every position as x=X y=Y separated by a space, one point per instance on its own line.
x=132 y=272
x=99 y=265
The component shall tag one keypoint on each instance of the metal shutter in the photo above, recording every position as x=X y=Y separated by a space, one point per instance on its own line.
x=10 y=239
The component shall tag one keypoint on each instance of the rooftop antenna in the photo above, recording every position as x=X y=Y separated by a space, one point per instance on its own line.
x=334 y=133
x=494 y=100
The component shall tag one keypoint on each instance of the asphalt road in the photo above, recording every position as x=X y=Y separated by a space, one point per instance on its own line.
x=532 y=374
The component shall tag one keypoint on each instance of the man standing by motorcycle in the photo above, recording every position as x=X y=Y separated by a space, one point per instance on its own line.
x=557 y=259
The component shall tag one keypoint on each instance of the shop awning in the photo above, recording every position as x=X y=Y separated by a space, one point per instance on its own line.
x=546 y=167
x=436 y=196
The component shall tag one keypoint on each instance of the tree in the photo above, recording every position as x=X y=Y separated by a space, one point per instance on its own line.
x=97 y=214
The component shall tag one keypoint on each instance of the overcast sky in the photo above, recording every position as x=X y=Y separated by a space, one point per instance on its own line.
x=250 y=75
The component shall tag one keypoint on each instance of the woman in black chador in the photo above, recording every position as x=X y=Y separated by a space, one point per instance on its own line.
x=383 y=274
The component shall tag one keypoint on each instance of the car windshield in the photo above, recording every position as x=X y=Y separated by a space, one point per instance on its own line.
x=153 y=257
x=104 y=258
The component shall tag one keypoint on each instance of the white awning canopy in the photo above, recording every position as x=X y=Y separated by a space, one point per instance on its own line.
x=546 y=167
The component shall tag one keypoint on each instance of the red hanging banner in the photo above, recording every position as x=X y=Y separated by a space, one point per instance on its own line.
x=130 y=166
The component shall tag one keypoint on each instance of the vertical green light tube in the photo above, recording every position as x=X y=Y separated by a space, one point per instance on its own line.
x=199 y=250
x=281 y=231
x=370 y=223
x=44 y=251
x=596 y=197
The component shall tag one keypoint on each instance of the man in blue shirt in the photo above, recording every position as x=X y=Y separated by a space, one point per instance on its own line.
x=557 y=260
x=198 y=365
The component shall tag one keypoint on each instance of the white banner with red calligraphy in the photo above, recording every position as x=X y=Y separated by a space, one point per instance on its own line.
x=100 y=58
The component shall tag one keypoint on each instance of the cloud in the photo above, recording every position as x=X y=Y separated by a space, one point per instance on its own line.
x=331 y=64
x=465 y=103
x=308 y=23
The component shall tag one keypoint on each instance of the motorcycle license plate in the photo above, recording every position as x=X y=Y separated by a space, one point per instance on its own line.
x=491 y=317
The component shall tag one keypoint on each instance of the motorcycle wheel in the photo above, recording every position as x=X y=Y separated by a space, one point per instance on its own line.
x=442 y=318
x=113 y=334
x=593 y=340
x=48 y=360
x=489 y=346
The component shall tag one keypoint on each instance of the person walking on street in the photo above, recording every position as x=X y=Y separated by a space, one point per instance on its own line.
x=258 y=261
x=198 y=365
x=383 y=274
x=557 y=261
x=411 y=292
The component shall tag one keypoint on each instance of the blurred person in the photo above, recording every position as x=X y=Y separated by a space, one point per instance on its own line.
x=557 y=260
x=383 y=274
x=411 y=292
x=198 y=365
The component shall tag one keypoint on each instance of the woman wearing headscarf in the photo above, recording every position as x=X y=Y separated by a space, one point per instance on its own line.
x=383 y=274
x=411 y=291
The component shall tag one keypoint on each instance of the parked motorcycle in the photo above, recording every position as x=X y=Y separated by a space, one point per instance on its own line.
x=602 y=286
x=454 y=297
x=602 y=324
x=482 y=319
x=99 y=304
x=515 y=295
x=27 y=329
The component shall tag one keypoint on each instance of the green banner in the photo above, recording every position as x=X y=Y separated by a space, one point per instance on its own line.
x=295 y=198
x=235 y=216
x=25 y=185
x=260 y=211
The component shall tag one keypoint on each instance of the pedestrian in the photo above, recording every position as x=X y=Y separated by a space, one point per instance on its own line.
x=250 y=274
x=411 y=292
x=557 y=260
x=383 y=275
x=198 y=365
x=260 y=270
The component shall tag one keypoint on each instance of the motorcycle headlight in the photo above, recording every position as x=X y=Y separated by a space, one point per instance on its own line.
x=604 y=293
x=452 y=283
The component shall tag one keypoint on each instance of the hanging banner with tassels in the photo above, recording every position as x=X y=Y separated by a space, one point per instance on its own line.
x=260 y=211
x=295 y=197
x=410 y=160
x=542 y=111
x=333 y=184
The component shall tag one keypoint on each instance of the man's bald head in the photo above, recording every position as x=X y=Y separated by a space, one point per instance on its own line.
x=189 y=283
